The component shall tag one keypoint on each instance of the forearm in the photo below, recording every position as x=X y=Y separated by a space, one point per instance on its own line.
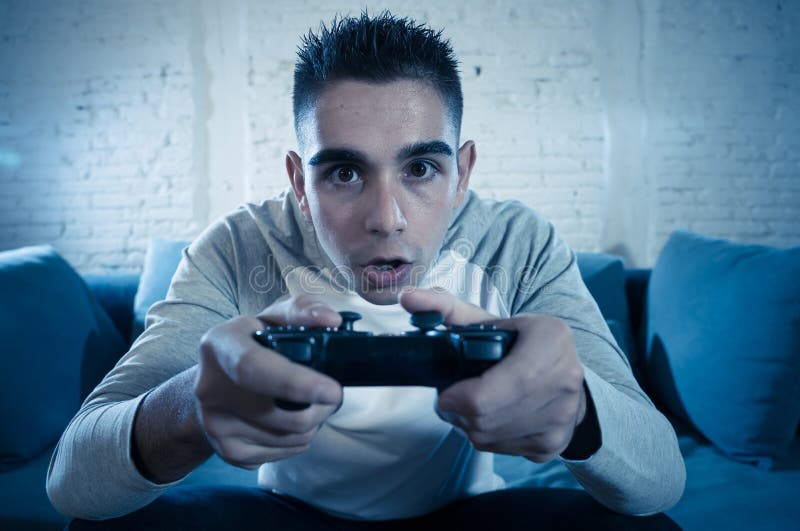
x=168 y=441
x=638 y=468
x=92 y=472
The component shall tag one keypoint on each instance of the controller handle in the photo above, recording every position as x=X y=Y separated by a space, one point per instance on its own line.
x=348 y=318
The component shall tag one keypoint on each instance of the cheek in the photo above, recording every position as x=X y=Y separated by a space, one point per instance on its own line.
x=430 y=213
x=435 y=202
x=323 y=210
x=332 y=222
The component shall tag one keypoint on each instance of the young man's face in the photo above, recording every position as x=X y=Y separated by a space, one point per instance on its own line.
x=379 y=177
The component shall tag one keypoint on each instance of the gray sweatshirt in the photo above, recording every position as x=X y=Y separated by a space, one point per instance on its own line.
x=385 y=454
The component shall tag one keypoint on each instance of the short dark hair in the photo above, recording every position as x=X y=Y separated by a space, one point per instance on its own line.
x=375 y=49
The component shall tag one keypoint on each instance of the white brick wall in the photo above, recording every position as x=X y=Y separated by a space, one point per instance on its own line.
x=99 y=109
x=724 y=112
x=620 y=120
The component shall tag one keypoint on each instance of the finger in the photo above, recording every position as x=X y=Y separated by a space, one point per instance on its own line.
x=270 y=373
x=519 y=447
x=262 y=412
x=250 y=456
x=530 y=369
x=511 y=446
x=448 y=416
x=303 y=310
x=518 y=422
x=539 y=447
x=265 y=372
x=231 y=427
x=454 y=310
x=280 y=420
x=479 y=397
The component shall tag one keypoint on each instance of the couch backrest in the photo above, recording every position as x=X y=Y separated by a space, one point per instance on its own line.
x=115 y=292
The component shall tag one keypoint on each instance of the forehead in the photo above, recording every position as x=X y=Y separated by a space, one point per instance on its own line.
x=377 y=118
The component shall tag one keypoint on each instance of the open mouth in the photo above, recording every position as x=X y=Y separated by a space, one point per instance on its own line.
x=386 y=265
x=383 y=272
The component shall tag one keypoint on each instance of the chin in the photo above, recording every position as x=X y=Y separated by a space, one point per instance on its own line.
x=383 y=296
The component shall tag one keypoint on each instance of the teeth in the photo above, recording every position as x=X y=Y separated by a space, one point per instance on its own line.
x=385 y=267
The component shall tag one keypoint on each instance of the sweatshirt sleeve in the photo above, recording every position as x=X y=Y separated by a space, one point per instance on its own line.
x=638 y=468
x=92 y=474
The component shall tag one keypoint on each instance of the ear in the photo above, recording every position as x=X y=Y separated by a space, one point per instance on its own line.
x=294 y=168
x=466 y=160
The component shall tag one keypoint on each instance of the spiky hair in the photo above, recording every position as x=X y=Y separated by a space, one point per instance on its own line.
x=375 y=49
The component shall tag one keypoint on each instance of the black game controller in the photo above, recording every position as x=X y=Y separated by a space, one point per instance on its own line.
x=428 y=356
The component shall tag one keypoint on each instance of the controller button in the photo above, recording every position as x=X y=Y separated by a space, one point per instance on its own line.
x=426 y=320
x=348 y=318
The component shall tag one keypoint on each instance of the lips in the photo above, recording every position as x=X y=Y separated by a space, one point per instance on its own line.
x=384 y=272
x=380 y=261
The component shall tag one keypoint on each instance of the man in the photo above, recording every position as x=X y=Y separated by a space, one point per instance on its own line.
x=379 y=220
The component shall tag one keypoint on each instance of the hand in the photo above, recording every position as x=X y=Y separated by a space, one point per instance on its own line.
x=238 y=381
x=529 y=403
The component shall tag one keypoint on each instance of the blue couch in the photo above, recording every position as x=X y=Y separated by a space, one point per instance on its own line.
x=721 y=493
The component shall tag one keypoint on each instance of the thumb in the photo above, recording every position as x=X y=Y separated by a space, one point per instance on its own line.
x=301 y=310
x=454 y=310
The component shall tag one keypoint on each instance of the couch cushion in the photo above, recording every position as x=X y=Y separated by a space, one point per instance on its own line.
x=24 y=504
x=604 y=276
x=723 y=494
x=160 y=262
x=723 y=338
x=57 y=343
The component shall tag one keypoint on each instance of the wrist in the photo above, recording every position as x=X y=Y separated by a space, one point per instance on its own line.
x=168 y=441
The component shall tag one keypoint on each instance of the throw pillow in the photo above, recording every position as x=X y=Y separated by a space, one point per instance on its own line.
x=723 y=338
x=54 y=337
x=160 y=262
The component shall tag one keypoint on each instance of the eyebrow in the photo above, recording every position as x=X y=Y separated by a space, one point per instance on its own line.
x=431 y=147
x=337 y=155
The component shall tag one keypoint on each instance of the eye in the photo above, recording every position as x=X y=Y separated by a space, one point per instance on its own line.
x=421 y=169
x=344 y=175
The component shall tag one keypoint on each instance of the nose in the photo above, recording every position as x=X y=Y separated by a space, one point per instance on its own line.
x=384 y=209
